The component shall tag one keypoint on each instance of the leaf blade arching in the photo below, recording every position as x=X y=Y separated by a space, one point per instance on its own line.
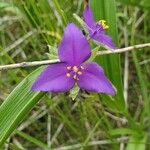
x=20 y=101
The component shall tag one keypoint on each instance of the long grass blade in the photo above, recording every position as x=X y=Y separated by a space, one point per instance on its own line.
x=17 y=105
x=106 y=9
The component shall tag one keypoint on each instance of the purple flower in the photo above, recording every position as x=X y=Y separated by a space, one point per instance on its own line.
x=73 y=52
x=97 y=30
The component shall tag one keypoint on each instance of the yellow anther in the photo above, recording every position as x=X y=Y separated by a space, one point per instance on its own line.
x=79 y=73
x=68 y=74
x=75 y=77
x=75 y=69
x=82 y=67
x=104 y=24
x=69 y=67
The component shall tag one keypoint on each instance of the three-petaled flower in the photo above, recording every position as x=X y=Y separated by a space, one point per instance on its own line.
x=73 y=51
x=97 y=30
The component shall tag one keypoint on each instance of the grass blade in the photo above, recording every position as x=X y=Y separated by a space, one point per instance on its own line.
x=33 y=140
x=137 y=143
x=106 y=9
x=17 y=105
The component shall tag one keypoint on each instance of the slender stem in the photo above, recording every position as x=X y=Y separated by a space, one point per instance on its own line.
x=46 y=62
x=28 y=64
x=93 y=143
x=126 y=49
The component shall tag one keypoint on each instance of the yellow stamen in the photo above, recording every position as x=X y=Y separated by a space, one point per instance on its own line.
x=75 y=77
x=69 y=67
x=75 y=69
x=79 y=73
x=82 y=67
x=104 y=24
x=68 y=74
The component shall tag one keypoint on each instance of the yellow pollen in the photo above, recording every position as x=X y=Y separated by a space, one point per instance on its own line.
x=69 y=67
x=79 y=73
x=75 y=77
x=68 y=74
x=82 y=67
x=104 y=24
x=75 y=69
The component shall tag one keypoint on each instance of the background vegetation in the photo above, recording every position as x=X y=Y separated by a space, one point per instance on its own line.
x=91 y=121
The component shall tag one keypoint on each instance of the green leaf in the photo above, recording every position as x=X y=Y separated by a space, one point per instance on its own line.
x=145 y=3
x=137 y=143
x=94 y=53
x=81 y=22
x=123 y=131
x=52 y=52
x=60 y=11
x=74 y=92
x=33 y=140
x=20 y=101
x=139 y=3
x=4 y=5
x=9 y=7
x=106 y=9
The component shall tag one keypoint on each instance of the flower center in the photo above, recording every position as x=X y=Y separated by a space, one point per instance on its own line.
x=75 y=68
x=104 y=24
x=74 y=72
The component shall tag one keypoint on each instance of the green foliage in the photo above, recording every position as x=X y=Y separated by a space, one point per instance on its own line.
x=17 y=105
x=140 y=3
x=74 y=92
x=81 y=117
x=137 y=143
x=106 y=9
x=33 y=140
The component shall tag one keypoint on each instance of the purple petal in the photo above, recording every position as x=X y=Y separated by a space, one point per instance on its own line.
x=54 y=79
x=74 y=48
x=94 y=79
x=88 y=17
x=103 y=39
